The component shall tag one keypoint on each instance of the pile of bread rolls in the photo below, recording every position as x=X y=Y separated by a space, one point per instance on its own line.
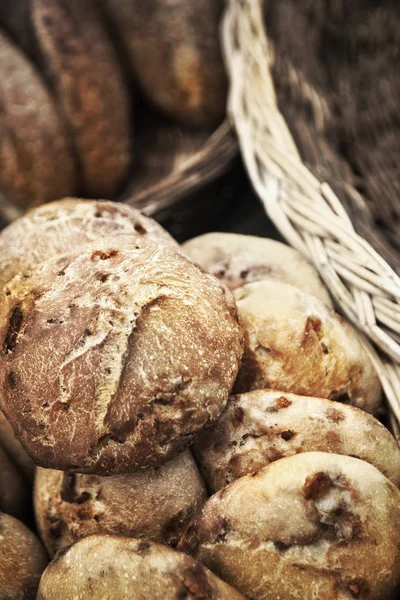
x=200 y=418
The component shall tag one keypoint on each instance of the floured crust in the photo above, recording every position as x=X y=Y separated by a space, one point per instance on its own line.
x=239 y=259
x=111 y=360
x=295 y=343
x=263 y=426
x=60 y=226
x=127 y=569
x=154 y=504
x=314 y=525
x=22 y=560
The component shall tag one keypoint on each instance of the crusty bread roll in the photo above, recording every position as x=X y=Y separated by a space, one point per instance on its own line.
x=112 y=359
x=155 y=504
x=15 y=492
x=239 y=259
x=295 y=343
x=122 y=568
x=60 y=226
x=22 y=560
x=314 y=525
x=263 y=426
x=22 y=462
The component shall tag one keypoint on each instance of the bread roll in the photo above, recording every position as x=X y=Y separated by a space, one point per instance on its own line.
x=173 y=49
x=155 y=504
x=22 y=560
x=58 y=227
x=15 y=496
x=263 y=426
x=16 y=453
x=295 y=343
x=314 y=525
x=119 y=568
x=112 y=359
x=36 y=161
x=239 y=259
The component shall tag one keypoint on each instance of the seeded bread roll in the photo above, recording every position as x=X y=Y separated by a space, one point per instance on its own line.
x=15 y=496
x=16 y=453
x=295 y=343
x=314 y=525
x=113 y=359
x=58 y=227
x=22 y=560
x=120 y=568
x=155 y=504
x=263 y=426
x=36 y=162
x=239 y=259
x=173 y=49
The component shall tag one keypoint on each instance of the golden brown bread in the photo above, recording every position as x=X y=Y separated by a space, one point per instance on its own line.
x=173 y=49
x=114 y=357
x=295 y=343
x=314 y=525
x=154 y=504
x=58 y=227
x=22 y=560
x=36 y=162
x=239 y=259
x=263 y=426
x=118 y=568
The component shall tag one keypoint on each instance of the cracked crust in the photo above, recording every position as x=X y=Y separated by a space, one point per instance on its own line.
x=55 y=228
x=263 y=426
x=314 y=525
x=22 y=560
x=155 y=504
x=118 y=568
x=111 y=360
x=295 y=343
x=239 y=259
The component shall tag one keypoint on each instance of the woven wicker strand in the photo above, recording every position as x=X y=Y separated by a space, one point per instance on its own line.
x=306 y=211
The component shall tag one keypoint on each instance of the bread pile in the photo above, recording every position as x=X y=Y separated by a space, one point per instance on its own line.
x=190 y=441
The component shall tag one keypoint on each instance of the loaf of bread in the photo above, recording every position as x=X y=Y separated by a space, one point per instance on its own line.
x=16 y=453
x=155 y=504
x=295 y=343
x=58 y=227
x=22 y=560
x=114 y=357
x=263 y=426
x=314 y=525
x=239 y=259
x=36 y=160
x=15 y=493
x=173 y=49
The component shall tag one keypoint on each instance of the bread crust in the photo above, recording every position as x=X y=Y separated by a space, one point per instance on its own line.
x=112 y=360
x=295 y=343
x=311 y=525
x=263 y=426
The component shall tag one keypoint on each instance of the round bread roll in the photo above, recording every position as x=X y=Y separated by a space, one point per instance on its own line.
x=173 y=49
x=112 y=359
x=58 y=227
x=239 y=259
x=15 y=494
x=16 y=453
x=36 y=162
x=263 y=426
x=295 y=343
x=155 y=504
x=118 y=568
x=22 y=560
x=314 y=525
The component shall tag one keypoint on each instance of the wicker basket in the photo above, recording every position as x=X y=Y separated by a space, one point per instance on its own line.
x=286 y=120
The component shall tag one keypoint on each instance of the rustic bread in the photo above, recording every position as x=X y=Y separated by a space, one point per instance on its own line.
x=22 y=560
x=263 y=426
x=112 y=359
x=58 y=227
x=36 y=162
x=173 y=49
x=154 y=504
x=239 y=259
x=120 y=568
x=15 y=493
x=295 y=343
x=16 y=453
x=314 y=525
